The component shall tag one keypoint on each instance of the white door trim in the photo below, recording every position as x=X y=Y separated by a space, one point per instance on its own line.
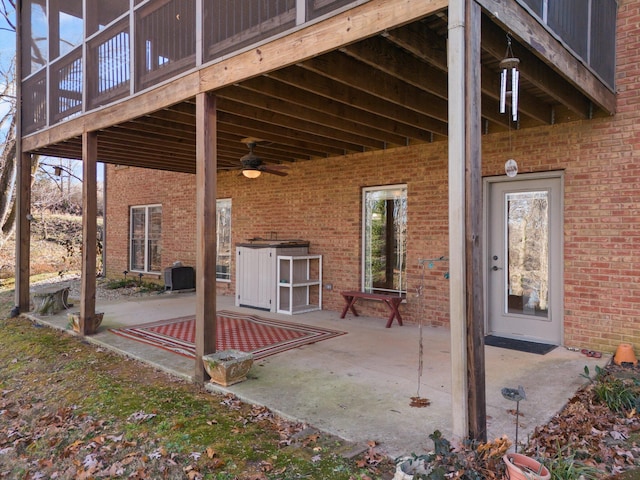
x=487 y=182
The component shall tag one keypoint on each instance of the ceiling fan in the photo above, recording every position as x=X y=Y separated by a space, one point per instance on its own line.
x=253 y=166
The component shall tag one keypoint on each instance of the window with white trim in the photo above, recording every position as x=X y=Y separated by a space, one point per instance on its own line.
x=384 y=238
x=223 y=239
x=146 y=239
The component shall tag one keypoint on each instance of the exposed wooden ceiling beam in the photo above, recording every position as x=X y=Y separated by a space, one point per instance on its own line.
x=253 y=128
x=388 y=129
x=345 y=93
x=417 y=39
x=283 y=105
x=247 y=104
x=348 y=71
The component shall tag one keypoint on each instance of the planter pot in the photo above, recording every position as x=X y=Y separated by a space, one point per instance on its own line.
x=227 y=367
x=91 y=324
x=410 y=468
x=521 y=467
x=624 y=354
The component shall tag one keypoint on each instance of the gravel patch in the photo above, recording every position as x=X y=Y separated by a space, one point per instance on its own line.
x=102 y=292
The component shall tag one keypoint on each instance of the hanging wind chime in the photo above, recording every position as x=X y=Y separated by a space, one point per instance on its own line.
x=509 y=81
x=509 y=84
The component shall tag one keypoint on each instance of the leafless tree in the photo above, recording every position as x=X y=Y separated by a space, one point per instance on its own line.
x=8 y=160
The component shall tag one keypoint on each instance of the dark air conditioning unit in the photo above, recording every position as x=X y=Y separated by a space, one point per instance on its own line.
x=179 y=278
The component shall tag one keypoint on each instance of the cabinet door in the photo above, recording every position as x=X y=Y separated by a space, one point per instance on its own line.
x=255 y=278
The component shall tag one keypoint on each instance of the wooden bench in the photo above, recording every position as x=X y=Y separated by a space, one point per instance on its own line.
x=51 y=300
x=391 y=301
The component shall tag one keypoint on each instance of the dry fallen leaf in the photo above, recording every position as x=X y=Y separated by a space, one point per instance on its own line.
x=419 y=402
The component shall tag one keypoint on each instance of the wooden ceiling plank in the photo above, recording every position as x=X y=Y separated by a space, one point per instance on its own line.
x=144 y=154
x=301 y=112
x=281 y=150
x=248 y=128
x=163 y=129
x=422 y=42
x=135 y=140
x=322 y=85
x=324 y=135
x=226 y=150
x=296 y=95
x=121 y=155
x=174 y=117
x=380 y=54
x=348 y=71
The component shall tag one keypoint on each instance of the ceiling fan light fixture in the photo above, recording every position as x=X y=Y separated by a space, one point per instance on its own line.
x=251 y=173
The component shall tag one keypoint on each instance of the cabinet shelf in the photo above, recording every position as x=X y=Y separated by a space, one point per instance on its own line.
x=299 y=283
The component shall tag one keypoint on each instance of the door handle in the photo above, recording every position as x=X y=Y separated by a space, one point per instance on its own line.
x=495 y=268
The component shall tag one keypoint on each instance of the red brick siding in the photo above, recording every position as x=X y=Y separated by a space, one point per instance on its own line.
x=320 y=201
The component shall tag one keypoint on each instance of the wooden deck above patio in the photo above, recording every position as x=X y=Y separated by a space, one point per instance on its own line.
x=346 y=78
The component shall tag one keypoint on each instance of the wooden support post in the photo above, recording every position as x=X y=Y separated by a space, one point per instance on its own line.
x=457 y=276
x=206 y=245
x=89 y=228
x=465 y=222
x=23 y=231
x=23 y=185
x=473 y=228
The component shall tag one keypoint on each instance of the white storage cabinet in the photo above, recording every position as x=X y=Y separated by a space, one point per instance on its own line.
x=299 y=283
x=256 y=273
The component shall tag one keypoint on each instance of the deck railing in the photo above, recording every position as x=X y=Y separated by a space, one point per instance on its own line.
x=34 y=101
x=229 y=26
x=165 y=40
x=66 y=82
x=132 y=51
x=108 y=65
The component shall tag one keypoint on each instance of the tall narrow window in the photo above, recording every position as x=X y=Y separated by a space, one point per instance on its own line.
x=384 y=225
x=146 y=239
x=223 y=239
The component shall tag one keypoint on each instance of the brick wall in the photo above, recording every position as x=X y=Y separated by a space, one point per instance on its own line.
x=320 y=201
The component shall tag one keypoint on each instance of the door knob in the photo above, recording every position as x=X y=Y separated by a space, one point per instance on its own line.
x=495 y=268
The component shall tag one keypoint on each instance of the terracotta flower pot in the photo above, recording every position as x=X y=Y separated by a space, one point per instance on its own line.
x=227 y=367
x=521 y=467
x=624 y=354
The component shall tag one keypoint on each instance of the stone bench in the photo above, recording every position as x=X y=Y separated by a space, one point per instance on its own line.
x=51 y=300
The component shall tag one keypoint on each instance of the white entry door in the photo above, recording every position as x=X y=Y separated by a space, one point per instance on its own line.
x=524 y=297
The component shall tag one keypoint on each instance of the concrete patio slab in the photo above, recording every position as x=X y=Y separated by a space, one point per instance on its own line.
x=359 y=385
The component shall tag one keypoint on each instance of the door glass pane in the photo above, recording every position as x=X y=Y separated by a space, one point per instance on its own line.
x=528 y=253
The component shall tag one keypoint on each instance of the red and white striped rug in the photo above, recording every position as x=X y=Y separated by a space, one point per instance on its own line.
x=248 y=333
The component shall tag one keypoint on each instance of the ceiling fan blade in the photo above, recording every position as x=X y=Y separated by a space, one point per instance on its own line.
x=273 y=170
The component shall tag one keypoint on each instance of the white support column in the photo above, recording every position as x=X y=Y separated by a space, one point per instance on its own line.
x=457 y=256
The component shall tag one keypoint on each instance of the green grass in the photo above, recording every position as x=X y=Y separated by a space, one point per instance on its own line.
x=72 y=399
